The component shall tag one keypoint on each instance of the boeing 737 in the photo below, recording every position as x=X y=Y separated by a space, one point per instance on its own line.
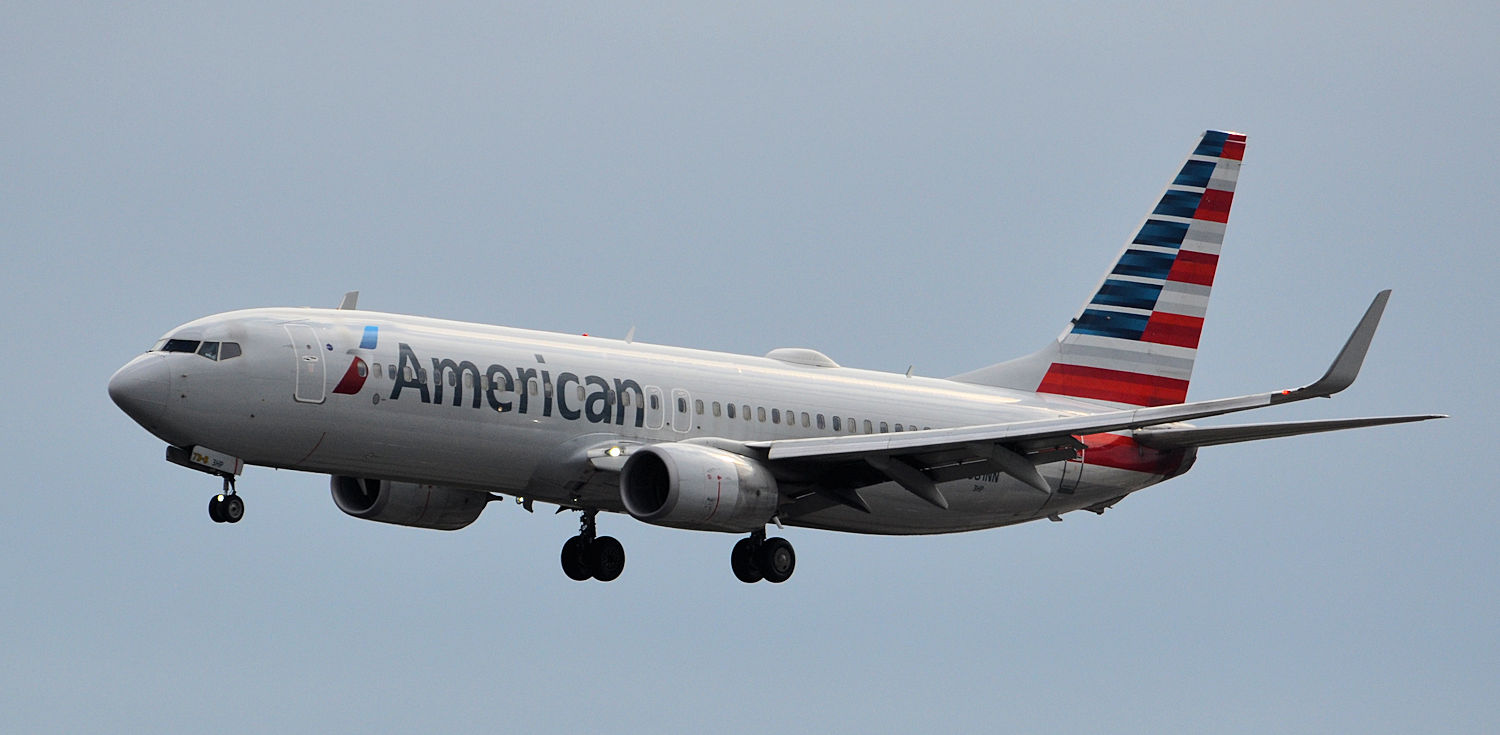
x=422 y=422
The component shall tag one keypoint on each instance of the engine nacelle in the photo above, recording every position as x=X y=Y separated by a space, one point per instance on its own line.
x=698 y=487
x=406 y=503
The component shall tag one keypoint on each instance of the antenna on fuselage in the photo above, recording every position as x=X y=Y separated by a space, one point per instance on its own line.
x=630 y=335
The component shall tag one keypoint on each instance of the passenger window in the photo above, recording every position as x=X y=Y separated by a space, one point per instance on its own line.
x=375 y=366
x=452 y=379
x=580 y=392
x=730 y=409
x=229 y=350
x=884 y=427
x=806 y=420
x=698 y=406
x=836 y=426
x=361 y=369
x=681 y=405
x=531 y=385
x=869 y=429
x=655 y=402
x=718 y=409
x=391 y=371
x=775 y=415
x=745 y=411
x=897 y=427
x=820 y=421
x=853 y=425
x=760 y=414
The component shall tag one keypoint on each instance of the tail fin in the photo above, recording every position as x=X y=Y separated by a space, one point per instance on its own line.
x=1136 y=339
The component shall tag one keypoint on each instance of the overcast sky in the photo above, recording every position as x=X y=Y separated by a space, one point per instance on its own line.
x=890 y=184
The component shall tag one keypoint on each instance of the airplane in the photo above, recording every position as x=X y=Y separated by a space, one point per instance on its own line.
x=423 y=422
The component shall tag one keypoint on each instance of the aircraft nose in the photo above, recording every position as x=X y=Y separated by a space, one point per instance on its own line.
x=141 y=388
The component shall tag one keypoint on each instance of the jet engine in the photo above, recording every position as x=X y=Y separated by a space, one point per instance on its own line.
x=697 y=487
x=406 y=503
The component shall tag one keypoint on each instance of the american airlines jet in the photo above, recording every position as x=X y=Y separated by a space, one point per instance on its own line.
x=423 y=422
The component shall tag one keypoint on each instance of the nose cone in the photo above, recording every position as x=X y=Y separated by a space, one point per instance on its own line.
x=140 y=388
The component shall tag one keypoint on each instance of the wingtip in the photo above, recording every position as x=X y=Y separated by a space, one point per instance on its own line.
x=1351 y=357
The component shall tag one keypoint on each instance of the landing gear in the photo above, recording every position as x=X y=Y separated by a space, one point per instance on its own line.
x=742 y=560
x=226 y=507
x=757 y=557
x=589 y=555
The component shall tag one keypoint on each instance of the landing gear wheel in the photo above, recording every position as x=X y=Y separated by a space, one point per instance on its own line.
x=216 y=508
x=776 y=559
x=606 y=558
x=232 y=508
x=742 y=560
x=574 y=563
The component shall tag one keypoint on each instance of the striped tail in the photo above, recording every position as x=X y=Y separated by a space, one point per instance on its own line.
x=1135 y=341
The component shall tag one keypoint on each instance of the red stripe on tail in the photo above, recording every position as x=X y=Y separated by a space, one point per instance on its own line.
x=1192 y=266
x=1112 y=385
x=1214 y=205
x=1234 y=147
x=1173 y=329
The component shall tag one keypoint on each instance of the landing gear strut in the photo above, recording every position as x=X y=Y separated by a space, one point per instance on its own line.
x=589 y=555
x=226 y=507
x=757 y=557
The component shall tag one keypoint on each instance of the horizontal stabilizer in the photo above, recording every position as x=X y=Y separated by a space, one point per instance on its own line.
x=1209 y=436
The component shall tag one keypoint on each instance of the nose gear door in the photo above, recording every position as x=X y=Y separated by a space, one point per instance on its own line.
x=312 y=377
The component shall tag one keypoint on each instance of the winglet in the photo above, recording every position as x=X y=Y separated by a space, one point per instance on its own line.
x=350 y=299
x=1345 y=367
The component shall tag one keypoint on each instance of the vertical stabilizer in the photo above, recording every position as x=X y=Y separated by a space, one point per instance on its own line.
x=1134 y=342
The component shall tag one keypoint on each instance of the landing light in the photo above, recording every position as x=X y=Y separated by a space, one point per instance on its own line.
x=613 y=451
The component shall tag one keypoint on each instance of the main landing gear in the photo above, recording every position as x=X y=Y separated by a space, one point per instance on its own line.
x=589 y=555
x=757 y=557
x=226 y=507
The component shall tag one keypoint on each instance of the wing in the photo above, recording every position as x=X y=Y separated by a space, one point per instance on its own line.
x=918 y=460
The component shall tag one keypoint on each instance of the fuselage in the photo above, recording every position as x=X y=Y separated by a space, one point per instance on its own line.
x=504 y=410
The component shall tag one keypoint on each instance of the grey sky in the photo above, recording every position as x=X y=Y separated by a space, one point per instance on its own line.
x=890 y=184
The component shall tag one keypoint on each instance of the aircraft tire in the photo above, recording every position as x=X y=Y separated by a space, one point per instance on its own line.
x=573 y=560
x=232 y=508
x=606 y=558
x=742 y=561
x=776 y=560
x=216 y=508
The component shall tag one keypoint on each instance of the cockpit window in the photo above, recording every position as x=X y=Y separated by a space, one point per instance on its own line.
x=217 y=351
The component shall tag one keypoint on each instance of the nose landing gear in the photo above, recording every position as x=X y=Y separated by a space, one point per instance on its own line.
x=226 y=507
